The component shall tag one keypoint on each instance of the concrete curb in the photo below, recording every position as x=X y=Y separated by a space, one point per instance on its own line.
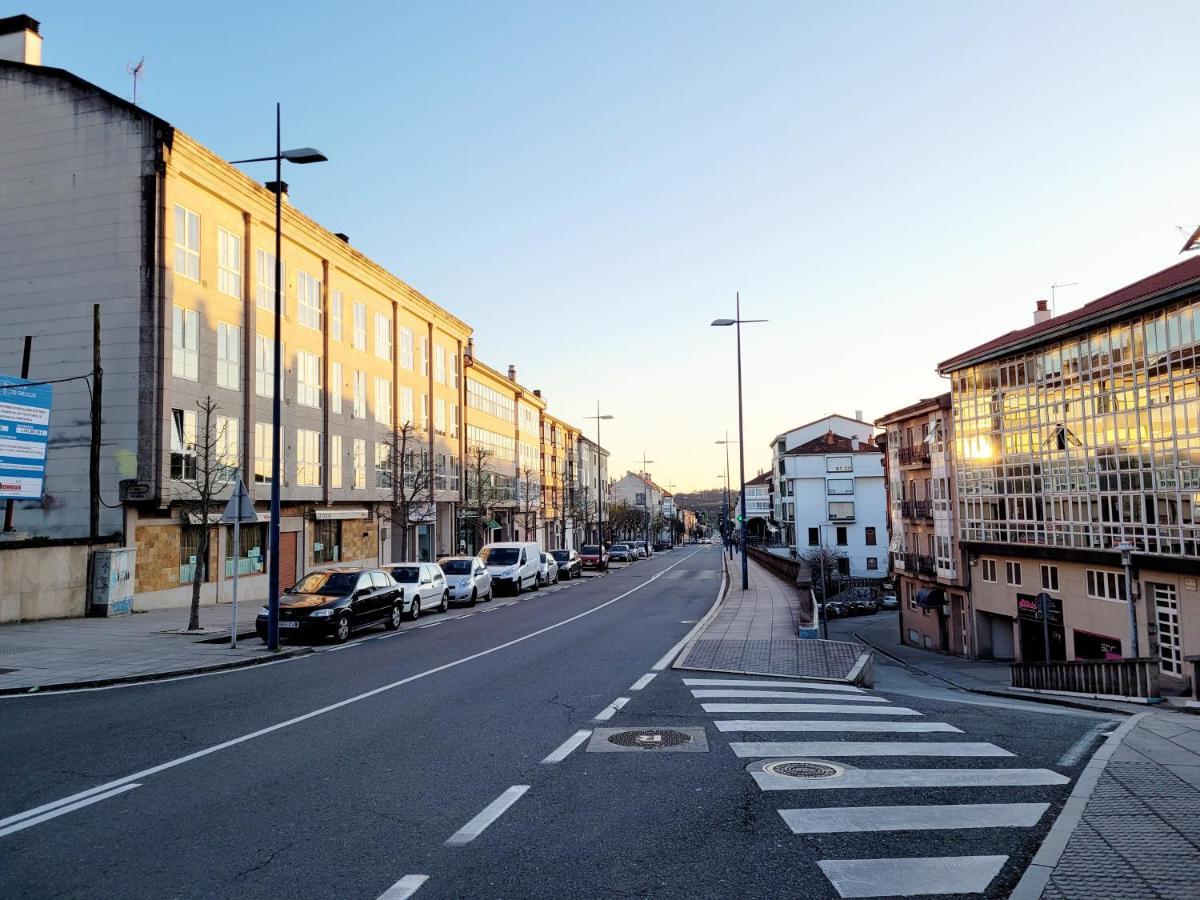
x=1037 y=875
x=1051 y=699
x=149 y=677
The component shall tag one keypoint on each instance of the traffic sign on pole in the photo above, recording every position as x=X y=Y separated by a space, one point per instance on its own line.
x=239 y=509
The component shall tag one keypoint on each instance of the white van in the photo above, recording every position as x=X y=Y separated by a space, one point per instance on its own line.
x=513 y=565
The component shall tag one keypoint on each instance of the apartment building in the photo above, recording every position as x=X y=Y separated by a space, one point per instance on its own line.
x=1075 y=437
x=588 y=495
x=923 y=542
x=560 y=471
x=638 y=490
x=759 y=526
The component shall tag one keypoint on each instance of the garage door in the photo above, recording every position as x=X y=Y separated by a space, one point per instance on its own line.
x=287 y=559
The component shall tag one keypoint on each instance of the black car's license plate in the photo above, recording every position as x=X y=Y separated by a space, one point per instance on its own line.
x=284 y=624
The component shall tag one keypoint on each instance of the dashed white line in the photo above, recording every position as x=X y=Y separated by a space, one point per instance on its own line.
x=31 y=817
x=567 y=747
x=432 y=624
x=404 y=888
x=487 y=816
x=464 y=616
x=611 y=710
x=643 y=681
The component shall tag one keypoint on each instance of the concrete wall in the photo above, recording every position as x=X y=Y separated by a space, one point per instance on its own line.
x=43 y=582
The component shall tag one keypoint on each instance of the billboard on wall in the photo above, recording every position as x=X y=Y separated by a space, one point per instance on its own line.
x=24 y=435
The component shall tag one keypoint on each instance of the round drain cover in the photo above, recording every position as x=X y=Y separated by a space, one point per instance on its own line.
x=650 y=739
x=804 y=769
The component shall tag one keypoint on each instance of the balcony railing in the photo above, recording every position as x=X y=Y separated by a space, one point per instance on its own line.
x=918 y=564
x=916 y=509
x=914 y=454
x=1113 y=677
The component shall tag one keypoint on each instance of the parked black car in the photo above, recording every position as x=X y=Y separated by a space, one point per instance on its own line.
x=334 y=602
x=570 y=565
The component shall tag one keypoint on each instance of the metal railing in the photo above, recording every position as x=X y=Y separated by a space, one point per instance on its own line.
x=918 y=564
x=913 y=454
x=916 y=509
x=1114 y=677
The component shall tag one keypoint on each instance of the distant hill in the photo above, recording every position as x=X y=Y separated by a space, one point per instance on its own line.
x=707 y=501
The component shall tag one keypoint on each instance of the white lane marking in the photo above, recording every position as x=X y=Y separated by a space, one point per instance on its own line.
x=568 y=746
x=846 y=725
x=611 y=710
x=490 y=609
x=869 y=779
x=642 y=682
x=809 y=707
x=464 y=616
x=433 y=624
x=734 y=694
x=936 y=817
x=357 y=698
x=487 y=816
x=26 y=819
x=751 y=683
x=907 y=877
x=404 y=888
x=509 y=603
x=1076 y=751
x=747 y=749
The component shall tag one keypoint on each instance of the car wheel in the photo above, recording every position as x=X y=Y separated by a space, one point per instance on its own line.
x=445 y=604
x=341 y=629
x=392 y=622
x=537 y=581
x=490 y=594
x=474 y=598
x=414 y=609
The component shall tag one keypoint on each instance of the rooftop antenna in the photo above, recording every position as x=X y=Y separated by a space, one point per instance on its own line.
x=136 y=70
x=1054 y=290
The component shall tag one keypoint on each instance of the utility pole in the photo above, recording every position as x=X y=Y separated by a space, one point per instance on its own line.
x=97 y=412
x=8 y=504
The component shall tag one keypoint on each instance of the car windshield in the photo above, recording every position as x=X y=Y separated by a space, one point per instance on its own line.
x=561 y=555
x=590 y=550
x=619 y=547
x=501 y=556
x=329 y=584
x=406 y=573
x=456 y=566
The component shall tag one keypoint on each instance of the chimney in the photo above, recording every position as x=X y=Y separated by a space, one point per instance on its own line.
x=278 y=186
x=469 y=353
x=853 y=443
x=1041 y=312
x=512 y=373
x=343 y=236
x=858 y=414
x=537 y=392
x=829 y=436
x=20 y=41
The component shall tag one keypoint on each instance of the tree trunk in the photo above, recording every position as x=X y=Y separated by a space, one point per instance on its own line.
x=197 y=580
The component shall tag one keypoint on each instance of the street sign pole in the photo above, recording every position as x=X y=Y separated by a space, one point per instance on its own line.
x=239 y=509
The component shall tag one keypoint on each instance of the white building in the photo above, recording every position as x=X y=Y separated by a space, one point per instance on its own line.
x=759 y=527
x=833 y=494
x=640 y=492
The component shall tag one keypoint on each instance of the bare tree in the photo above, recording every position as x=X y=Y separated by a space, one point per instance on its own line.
x=822 y=564
x=625 y=520
x=481 y=493
x=578 y=507
x=405 y=481
x=529 y=493
x=203 y=466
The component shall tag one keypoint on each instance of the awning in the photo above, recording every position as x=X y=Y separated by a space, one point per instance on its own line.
x=931 y=598
x=334 y=513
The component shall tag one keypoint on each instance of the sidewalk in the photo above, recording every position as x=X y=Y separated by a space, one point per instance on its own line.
x=756 y=632
x=79 y=652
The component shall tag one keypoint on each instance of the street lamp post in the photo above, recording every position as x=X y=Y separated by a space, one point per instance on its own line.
x=727 y=442
x=1126 y=549
x=300 y=156
x=599 y=486
x=738 y=322
x=646 y=496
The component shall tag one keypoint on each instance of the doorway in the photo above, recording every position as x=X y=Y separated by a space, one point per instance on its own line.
x=1166 y=615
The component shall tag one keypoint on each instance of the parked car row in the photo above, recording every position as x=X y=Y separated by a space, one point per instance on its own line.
x=861 y=604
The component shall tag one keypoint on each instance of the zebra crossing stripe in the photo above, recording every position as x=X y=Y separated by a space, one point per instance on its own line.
x=912 y=877
x=823 y=708
x=869 y=779
x=837 y=819
x=732 y=694
x=738 y=682
x=846 y=725
x=746 y=749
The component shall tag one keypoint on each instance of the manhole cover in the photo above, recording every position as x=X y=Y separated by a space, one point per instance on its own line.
x=804 y=769
x=654 y=739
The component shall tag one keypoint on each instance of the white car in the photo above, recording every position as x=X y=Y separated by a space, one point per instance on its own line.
x=548 y=570
x=468 y=578
x=424 y=585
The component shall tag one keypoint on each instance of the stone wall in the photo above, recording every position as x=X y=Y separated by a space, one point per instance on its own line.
x=43 y=582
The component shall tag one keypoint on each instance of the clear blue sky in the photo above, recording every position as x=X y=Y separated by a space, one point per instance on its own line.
x=888 y=183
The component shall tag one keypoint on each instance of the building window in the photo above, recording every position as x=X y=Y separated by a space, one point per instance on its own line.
x=227 y=448
x=229 y=356
x=1049 y=578
x=335 y=315
x=841 y=536
x=308 y=379
x=383 y=466
x=383 y=401
x=360 y=394
x=837 y=486
x=335 y=387
x=841 y=512
x=839 y=464
x=327 y=541
x=187 y=243
x=264 y=366
x=185 y=344
x=406 y=405
x=251 y=557
x=360 y=464
x=1012 y=572
x=359 y=338
x=425 y=356
x=439 y=363
x=335 y=460
x=870 y=535
x=264 y=280
x=190 y=539
x=406 y=348
x=383 y=337
x=308 y=300
x=491 y=401
x=814 y=537
x=183 y=445
x=262 y=453
x=439 y=415
x=453 y=420
x=872 y=563
x=1106 y=585
x=454 y=369
x=502 y=446
x=424 y=412
x=989 y=570
x=229 y=263
x=308 y=458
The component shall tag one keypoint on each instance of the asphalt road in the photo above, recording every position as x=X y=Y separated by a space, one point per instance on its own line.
x=415 y=762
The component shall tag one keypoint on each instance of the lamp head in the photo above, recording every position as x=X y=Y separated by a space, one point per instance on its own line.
x=724 y=322
x=303 y=155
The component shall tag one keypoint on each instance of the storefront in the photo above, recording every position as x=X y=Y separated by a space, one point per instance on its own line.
x=1038 y=617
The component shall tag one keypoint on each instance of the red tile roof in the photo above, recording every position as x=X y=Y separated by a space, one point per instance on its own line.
x=831 y=443
x=761 y=478
x=1179 y=275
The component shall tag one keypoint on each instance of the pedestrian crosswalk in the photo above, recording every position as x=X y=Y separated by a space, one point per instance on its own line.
x=843 y=739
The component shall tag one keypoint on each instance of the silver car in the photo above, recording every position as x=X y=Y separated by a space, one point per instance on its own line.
x=424 y=587
x=548 y=570
x=468 y=578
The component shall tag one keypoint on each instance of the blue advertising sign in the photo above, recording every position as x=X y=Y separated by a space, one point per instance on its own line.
x=24 y=434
